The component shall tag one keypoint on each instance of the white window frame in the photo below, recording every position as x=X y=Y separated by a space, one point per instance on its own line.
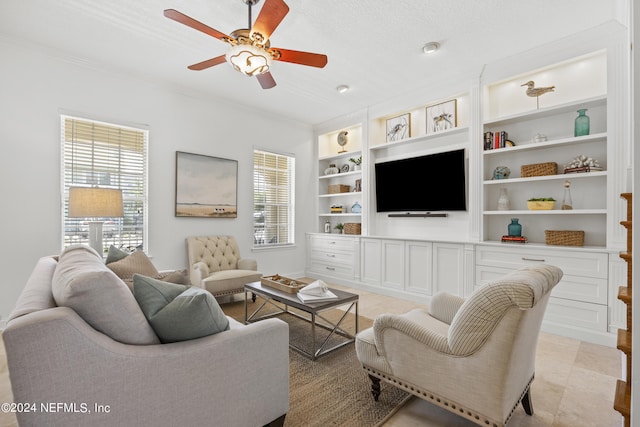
x=268 y=231
x=130 y=232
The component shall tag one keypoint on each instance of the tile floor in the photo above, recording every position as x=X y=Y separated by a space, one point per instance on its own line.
x=574 y=384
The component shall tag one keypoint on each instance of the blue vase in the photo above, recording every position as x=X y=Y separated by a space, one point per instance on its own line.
x=582 y=123
x=514 y=228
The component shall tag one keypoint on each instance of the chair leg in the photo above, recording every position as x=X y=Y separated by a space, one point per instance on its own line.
x=527 y=404
x=375 y=387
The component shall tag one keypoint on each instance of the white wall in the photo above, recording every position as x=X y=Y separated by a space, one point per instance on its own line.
x=38 y=85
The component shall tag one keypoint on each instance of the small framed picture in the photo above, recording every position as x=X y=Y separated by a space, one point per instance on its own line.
x=442 y=116
x=358 y=187
x=399 y=128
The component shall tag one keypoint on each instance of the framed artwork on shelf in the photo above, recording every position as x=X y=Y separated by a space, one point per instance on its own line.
x=442 y=116
x=206 y=186
x=399 y=128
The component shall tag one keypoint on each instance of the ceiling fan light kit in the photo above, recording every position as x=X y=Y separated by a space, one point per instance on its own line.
x=250 y=51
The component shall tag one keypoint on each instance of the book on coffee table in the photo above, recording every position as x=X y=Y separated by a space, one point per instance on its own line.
x=328 y=296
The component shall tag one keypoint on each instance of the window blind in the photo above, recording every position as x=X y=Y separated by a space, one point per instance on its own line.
x=108 y=156
x=273 y=198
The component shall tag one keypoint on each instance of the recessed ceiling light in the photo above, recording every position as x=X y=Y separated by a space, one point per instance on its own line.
x=342 y=88
x=431 y=47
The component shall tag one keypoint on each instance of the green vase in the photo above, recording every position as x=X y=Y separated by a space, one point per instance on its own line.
x=582 y=123
x=514 y=229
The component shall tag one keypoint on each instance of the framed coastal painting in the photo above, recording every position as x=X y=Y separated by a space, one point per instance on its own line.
x=399 y=128
x=206 y=186
x=442 y=116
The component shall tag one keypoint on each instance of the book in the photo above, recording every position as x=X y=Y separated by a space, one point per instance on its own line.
x=306 y=298
x=514 y=239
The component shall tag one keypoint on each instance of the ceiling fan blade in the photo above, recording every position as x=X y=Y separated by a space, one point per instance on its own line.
x=266 y=80
x=208 y=63
x=197 y=25
x=271 y=14
x=298 y=57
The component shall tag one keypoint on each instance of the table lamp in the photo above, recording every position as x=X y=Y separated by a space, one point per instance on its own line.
x=95 y=203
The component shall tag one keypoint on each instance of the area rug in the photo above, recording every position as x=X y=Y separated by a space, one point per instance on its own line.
x=333 y=390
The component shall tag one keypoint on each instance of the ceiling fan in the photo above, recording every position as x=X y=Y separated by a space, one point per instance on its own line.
x=251 y=52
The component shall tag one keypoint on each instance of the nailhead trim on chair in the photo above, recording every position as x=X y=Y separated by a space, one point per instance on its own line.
x=444 y=403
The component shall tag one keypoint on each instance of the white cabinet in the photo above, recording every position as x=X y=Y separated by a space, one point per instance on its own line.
x=419 y=256
x=334 y=256
x=448 y=268
x=393 y=264
x=383 y=263
x=579 y=303
x=413 y=267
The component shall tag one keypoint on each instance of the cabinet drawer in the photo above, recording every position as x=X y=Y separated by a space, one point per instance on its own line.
x=583 y=315
x=578 y=288
x=332 y=243
x=332 y=257
x=573 y=263
x=332 y=269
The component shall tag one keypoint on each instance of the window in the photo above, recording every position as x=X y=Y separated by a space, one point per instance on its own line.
x=273 y=201
x=96 y=154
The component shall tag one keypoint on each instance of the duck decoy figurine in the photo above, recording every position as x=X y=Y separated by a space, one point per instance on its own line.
x=537 y=91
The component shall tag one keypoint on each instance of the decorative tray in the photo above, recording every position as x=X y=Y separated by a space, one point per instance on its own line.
x=283 y=283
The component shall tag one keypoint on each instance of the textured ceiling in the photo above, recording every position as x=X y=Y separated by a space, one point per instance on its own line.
x=373 y=46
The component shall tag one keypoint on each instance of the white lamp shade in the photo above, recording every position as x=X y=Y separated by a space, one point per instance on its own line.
x=249 y=59
x=93 y=202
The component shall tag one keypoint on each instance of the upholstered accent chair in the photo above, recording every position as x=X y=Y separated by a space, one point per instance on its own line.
x=473 y=357
x=215 y=264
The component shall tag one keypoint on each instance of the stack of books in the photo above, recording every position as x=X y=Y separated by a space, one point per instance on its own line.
x=514 y=239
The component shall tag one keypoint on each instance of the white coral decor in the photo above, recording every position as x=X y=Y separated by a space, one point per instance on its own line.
x=581 y=161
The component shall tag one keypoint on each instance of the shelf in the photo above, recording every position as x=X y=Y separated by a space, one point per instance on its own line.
x=340 y=214
x=346 y=155
x=420 y=138
x=352 y=193
x=548 y=212
x=341 y=174
x=574 y=140
x=557 y=177
x=547 y=112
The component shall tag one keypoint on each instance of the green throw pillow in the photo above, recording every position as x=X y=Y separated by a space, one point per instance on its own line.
x=178 y=312
x=115 y=254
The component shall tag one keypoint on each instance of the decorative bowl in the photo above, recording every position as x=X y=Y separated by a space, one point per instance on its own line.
x=541 y=205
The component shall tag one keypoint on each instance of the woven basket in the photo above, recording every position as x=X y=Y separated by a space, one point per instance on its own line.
x=538 y=169
x=338 y=188
x=564 y=237
x=352 y=228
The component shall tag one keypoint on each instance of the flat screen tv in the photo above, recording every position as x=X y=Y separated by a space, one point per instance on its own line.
x=435 y=182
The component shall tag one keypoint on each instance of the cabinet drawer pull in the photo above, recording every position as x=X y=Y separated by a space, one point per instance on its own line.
x=330 y=268
x=331 y=255
x=332 y=243
x=533 y=259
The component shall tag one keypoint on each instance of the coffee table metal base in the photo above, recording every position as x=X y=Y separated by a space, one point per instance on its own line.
x=314 y=311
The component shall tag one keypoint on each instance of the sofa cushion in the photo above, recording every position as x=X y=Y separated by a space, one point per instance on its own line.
x=178 y=312
x=179 y=277
x=83 y=283
x=227 y=280
x=115 y=254
x=136 y=263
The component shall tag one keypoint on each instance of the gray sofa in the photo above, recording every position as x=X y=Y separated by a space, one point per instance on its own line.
x=66 y=362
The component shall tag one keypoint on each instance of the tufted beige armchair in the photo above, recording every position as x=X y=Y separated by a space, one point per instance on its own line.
x=215 y=264
x=473 y=357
